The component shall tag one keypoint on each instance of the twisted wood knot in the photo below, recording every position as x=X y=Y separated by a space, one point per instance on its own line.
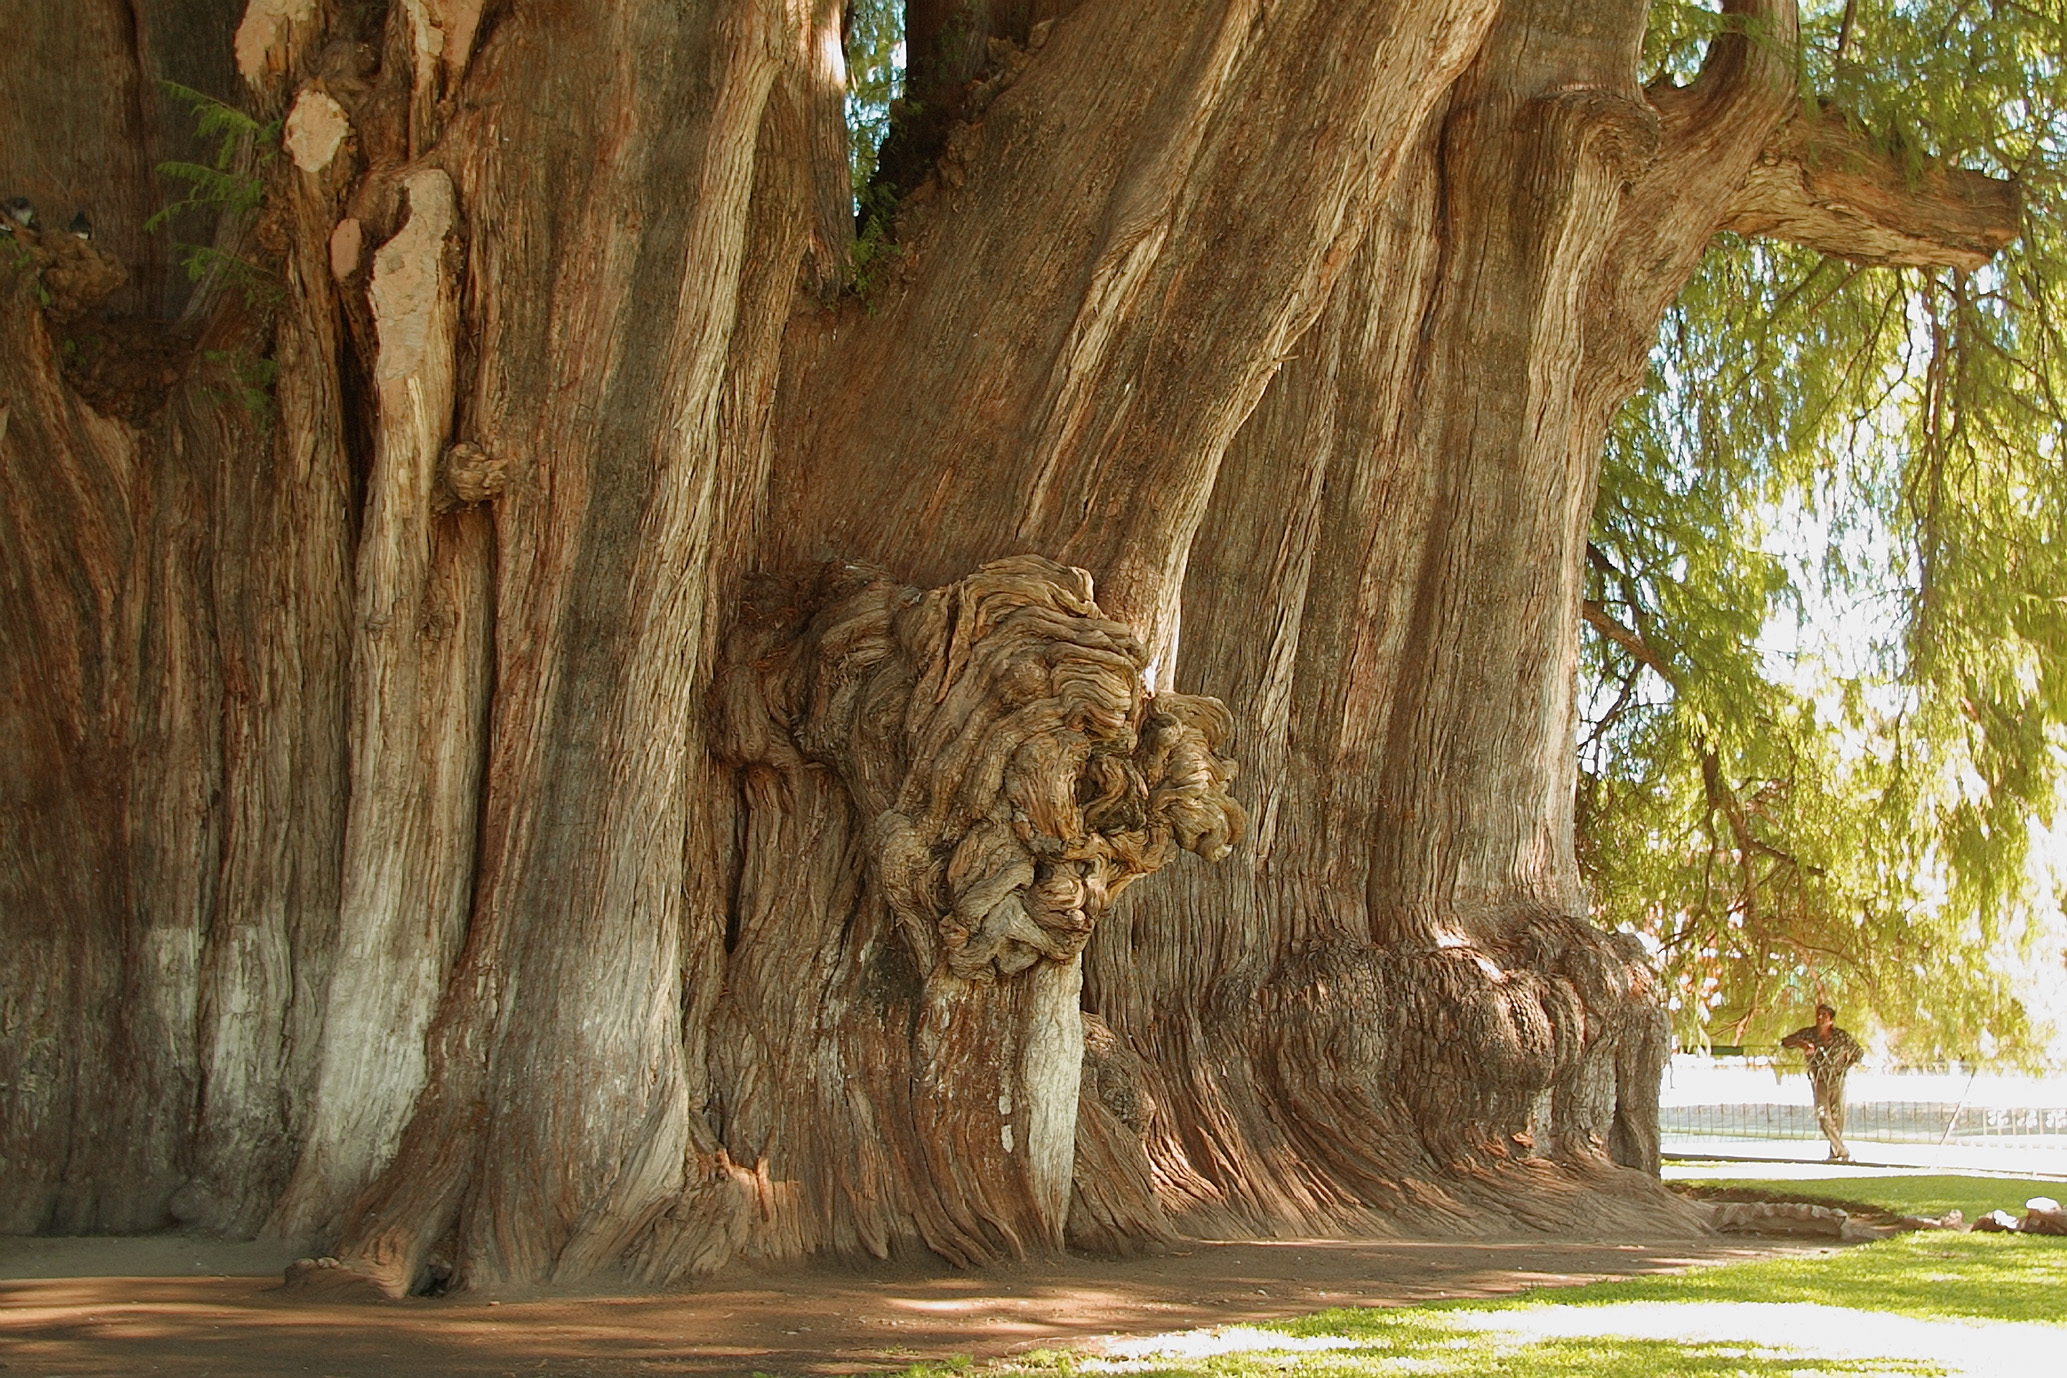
x=995 y=734
x=1623 y=132
x=75 y=275
x=469 y=474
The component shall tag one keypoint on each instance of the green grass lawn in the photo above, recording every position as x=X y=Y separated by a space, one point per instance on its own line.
x=1900 y=1195
x=1932 y=1276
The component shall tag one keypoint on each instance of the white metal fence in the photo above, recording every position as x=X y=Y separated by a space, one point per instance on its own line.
x=1710 y=1100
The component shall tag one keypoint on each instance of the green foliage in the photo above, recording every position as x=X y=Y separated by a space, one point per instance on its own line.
x=1930 y=1276
x=954 y=1364
x=875 y=78
x=257 y=284
x=1398 y=1343
x=244 y=378
x=1434 y=1350
x=874 y=252
x=1836 y=518
x=20 y=260
x=221 y=185
x=875 y=81
x=228 y=185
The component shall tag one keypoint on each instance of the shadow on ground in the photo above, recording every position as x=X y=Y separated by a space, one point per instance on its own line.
x=820 y=1321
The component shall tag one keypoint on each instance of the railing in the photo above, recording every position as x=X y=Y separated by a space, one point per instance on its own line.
x=1751 y=1094
x=1893 y=1121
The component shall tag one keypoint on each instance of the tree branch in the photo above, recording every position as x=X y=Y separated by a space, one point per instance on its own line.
x=1844 y=31
x=1821 y=184
x=1750 y=64
x=1597 y=617
x=1614 y=709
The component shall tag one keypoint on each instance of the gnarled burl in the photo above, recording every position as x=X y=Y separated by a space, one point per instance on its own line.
x=991 y=774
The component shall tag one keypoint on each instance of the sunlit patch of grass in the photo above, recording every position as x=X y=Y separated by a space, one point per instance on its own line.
x=1930 y=1274
x=1391 y=1343
x=1901 y=1195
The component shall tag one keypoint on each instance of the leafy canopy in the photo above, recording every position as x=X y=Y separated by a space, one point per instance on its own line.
x=1836 y=519
x=874 y=33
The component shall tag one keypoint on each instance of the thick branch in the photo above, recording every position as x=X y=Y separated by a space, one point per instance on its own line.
x=1750 y=64
x=1820 y=183
x=1598 y=618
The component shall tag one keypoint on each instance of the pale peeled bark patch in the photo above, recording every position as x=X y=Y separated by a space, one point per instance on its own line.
x=418 y=697
x=408 y=281
x=1051 y=1069
x=443 y=34
x=269 y=35
x=316 y=129
x=441 y=37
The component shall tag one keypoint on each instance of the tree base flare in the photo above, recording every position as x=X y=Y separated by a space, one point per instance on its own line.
x=332 y=1280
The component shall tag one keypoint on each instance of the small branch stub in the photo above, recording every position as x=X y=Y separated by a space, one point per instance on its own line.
x=469 y=474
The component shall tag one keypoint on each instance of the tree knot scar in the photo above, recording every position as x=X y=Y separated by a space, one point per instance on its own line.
x=468 y=474
x=75 y=274
x=1013 y=774
x=1623 y=133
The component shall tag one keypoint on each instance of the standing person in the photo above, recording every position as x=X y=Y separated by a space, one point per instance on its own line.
x=1830 y=1053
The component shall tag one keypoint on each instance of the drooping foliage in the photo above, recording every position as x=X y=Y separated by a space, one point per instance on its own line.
x=1826 y=664
x=874 y=34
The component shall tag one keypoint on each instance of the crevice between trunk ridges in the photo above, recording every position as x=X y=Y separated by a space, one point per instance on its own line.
x=975 y=773
x=1429 y=1037
x=70 y=506
x=419 y=701
x=557 y=1134
x=145 y=500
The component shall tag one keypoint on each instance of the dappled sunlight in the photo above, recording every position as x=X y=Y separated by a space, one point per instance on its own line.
x=1203 y=1344
x=1224 y=1308
x=824 y=1320
x=1987 y=1348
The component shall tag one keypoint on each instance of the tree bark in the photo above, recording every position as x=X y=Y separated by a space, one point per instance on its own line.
x=627 y=757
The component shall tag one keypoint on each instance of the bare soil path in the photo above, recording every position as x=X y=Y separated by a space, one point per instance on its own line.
x=90 y=1307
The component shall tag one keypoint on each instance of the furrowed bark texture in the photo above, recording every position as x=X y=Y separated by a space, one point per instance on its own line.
x=984 y=756
x=173 y=561
x=544 y=738
x=1424 y=1020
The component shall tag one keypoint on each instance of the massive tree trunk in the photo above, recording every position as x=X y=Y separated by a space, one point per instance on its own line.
x=631 y=757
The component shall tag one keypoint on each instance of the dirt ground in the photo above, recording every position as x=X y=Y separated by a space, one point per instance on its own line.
x=168 y=1305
